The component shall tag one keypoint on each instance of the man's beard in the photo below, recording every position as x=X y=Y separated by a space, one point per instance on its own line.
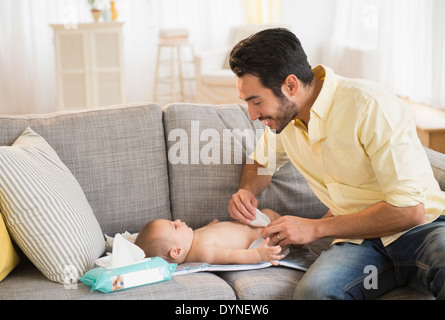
x=287 y=112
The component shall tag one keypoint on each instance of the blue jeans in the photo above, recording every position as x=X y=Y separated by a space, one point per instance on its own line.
x=416 y=259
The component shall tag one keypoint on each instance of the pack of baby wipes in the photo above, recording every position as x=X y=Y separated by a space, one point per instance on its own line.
x=126 y=267
x=150 y=270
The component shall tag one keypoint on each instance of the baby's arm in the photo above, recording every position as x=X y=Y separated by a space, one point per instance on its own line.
x=219 y=255
x=213 y=222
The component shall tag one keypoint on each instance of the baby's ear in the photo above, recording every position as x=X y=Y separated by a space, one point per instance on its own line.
x=176 y=253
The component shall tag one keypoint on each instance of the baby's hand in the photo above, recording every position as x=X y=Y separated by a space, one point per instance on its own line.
x=270 y=253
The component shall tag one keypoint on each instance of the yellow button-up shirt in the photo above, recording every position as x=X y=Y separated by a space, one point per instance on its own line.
x=360 y=148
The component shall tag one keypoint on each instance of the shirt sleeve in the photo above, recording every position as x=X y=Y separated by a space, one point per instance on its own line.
x=269 y=152
x=388 y=134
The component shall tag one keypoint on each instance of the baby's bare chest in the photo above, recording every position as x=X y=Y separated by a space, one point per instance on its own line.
x=228 y=234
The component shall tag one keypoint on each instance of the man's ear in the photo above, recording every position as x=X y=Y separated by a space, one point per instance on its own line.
x=176 y=252
x=290 y=85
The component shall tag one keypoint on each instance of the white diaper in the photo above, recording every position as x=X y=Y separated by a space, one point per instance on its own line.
x=261 y=220
x=257 y=243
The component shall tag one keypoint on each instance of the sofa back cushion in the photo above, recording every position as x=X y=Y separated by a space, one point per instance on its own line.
x=207 y=146
x=117 y=154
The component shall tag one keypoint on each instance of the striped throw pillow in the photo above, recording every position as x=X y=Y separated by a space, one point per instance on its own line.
x=46 y=211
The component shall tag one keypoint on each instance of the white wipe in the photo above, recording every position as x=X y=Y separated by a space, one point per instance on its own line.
x=124 y=253
x=261 y=219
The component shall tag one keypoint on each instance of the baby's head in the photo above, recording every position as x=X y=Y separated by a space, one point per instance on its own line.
x=170 y=240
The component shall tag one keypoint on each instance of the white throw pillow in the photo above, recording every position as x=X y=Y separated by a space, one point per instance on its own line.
x=46 y=211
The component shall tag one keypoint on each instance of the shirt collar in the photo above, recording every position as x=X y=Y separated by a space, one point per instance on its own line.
x=322 y=104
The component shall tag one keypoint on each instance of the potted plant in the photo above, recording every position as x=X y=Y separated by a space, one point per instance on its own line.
x=95 y=11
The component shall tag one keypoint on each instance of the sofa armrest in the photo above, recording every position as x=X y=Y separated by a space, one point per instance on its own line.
x=211 y=60
x=437 y=161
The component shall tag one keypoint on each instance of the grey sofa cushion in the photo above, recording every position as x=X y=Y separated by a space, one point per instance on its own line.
x=26 y=282
x=117 y=155
x=272 y=283
x=205 y=173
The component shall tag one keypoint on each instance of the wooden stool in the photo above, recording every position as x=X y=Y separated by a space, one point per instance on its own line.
x=173 y=61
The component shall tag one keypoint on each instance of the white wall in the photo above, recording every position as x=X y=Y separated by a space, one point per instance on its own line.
x=312 y=21
x=34 y=92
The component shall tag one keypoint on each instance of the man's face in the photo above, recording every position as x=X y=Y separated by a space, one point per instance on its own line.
x=264 y=105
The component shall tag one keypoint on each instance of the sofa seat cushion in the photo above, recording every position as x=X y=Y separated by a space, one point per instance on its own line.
x=117 y=154
x=279 y=283
x=272 y=283
x=26 y=283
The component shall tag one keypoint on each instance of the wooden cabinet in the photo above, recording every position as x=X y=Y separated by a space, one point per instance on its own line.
x=89 y=65
x=430 y=125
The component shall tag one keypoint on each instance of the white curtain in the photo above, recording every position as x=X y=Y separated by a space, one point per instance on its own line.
x=438 y=56
x=27 y=72
x=25 y=48
x=400 y=43
x=208 y=21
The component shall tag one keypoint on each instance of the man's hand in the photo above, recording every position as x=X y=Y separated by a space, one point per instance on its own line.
x=379 y=220
x=242 y=206
x=291 y=230
x=243 y=203
x=270 y=253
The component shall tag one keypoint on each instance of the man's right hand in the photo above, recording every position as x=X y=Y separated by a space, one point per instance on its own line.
x=243 y=203
x=242 y=206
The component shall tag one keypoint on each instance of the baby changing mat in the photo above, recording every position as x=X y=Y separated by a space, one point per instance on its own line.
x=297 y=258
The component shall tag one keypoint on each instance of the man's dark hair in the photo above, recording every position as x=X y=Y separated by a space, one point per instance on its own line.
x=271 y=55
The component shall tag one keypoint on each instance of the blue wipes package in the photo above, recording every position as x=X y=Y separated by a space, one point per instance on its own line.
x=150 y=270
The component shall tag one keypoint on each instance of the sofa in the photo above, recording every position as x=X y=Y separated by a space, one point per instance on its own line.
x=139 y=162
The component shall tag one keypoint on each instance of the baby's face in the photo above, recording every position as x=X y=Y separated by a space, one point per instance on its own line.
x=176 y=232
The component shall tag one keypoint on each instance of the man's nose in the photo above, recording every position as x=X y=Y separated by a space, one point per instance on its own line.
x=253 y=114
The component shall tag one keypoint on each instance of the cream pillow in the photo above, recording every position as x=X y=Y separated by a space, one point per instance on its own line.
x=46 y=211
x=8 y=257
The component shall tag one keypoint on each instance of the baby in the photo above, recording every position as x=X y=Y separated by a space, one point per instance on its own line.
x=216 y=243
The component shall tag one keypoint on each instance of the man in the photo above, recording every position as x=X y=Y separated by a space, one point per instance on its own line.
x=356 y=145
